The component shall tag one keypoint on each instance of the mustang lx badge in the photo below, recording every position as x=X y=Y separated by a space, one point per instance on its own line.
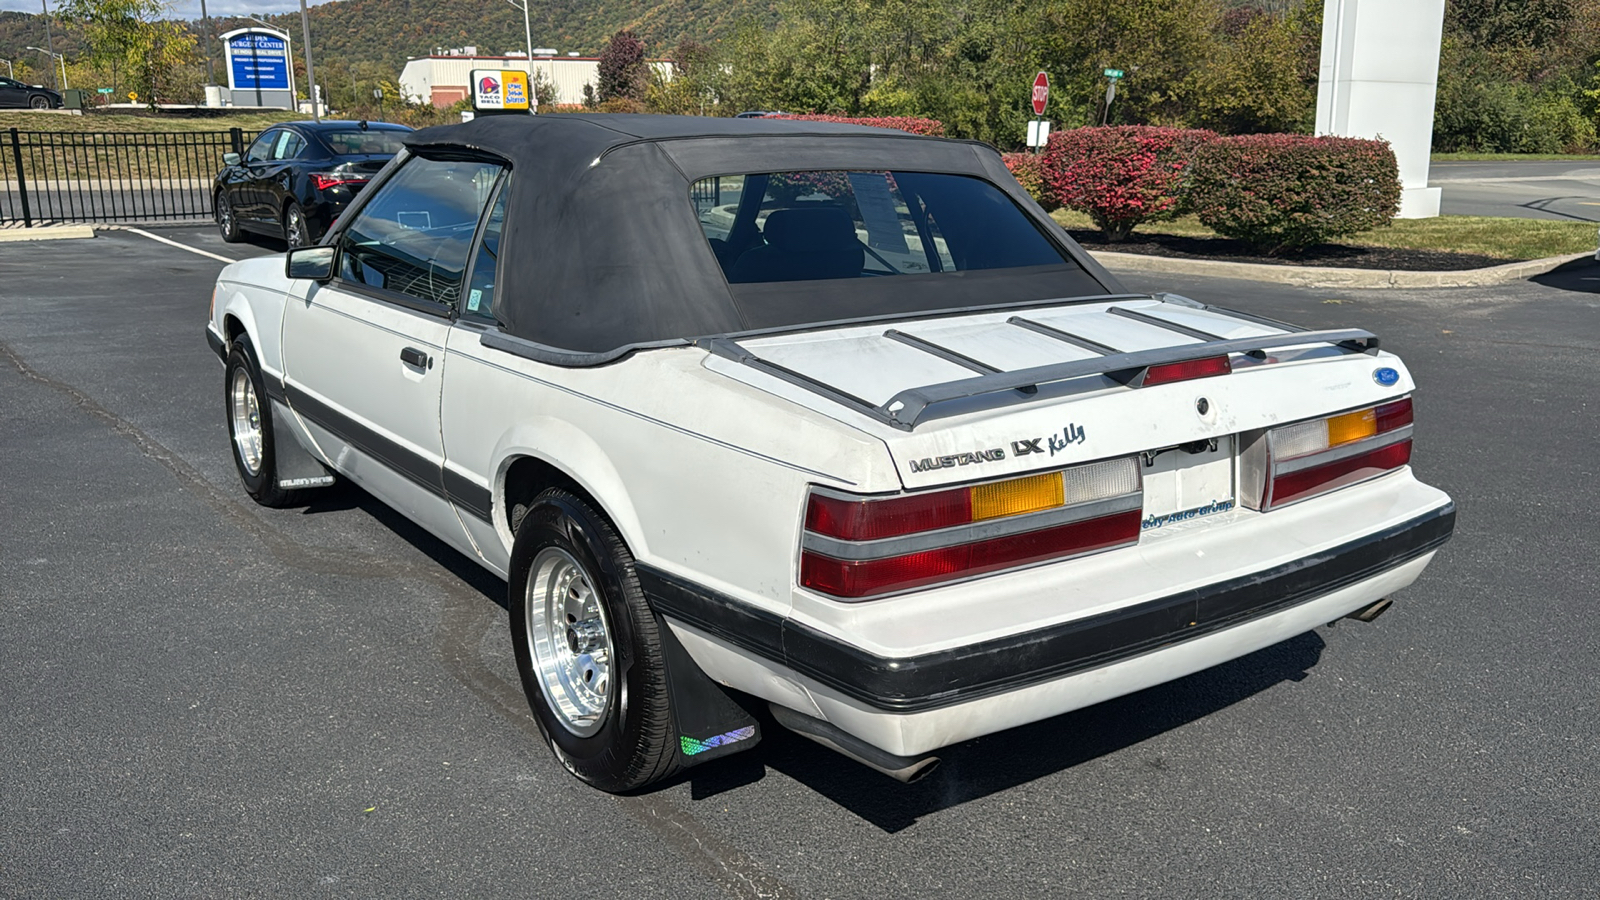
x=1072 y=434
x=927 y=464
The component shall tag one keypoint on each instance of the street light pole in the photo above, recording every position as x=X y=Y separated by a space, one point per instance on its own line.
x=10 y=72
x=210 y=78
x=527 y=35
x=55 y=56
x=311 y=75
x=48 y=40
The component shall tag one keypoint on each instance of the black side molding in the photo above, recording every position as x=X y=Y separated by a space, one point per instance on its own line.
x=948 y=677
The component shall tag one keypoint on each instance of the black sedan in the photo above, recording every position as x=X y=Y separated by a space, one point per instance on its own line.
x=297 y=177
x=16 y=95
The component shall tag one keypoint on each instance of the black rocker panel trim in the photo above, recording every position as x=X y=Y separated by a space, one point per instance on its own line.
x=415 y=467
x=473 y=499
x=948 y=677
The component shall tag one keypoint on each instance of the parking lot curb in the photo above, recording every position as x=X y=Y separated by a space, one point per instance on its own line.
x=45 y=233
x=1329 y=276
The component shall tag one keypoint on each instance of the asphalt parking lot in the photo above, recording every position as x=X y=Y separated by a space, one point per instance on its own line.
x=205 y=698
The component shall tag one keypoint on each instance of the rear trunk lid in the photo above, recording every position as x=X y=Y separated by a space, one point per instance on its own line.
x=985 y=395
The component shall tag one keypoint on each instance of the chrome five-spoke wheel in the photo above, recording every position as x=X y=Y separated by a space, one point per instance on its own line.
x=570 y=641
x=246 y=414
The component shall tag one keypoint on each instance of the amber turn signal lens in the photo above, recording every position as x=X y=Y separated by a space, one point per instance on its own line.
x=1016 y=496
x=1352 y=427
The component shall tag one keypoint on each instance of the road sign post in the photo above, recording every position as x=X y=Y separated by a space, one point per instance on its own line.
x=1038 y=130
x=1111 y=92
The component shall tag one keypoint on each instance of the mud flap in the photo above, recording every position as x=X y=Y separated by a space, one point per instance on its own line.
x=297 y=468
x=708 y=723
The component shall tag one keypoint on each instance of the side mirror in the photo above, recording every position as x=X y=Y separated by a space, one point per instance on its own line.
x=315 y=263
x=230 y=159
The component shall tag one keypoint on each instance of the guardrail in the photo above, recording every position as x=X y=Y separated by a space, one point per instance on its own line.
x=111 y=176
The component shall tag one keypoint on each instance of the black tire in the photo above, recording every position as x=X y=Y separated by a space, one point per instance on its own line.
x=37 y=102
x=260 y=478
x=227 y=219
x=630 y=744
x=297 y=229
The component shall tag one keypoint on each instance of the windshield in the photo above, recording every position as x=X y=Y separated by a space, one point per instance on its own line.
x=356 y=142
x=809 y=226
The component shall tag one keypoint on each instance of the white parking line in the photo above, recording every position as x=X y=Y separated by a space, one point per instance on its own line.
x=157 y=237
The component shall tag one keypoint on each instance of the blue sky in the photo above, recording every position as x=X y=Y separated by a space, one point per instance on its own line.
x=190 y=9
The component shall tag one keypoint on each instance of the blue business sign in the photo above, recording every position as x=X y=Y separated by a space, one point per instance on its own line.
x=258 y=62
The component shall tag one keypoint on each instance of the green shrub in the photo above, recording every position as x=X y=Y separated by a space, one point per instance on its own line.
x=1284 y=192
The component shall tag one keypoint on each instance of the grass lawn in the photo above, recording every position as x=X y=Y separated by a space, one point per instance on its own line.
x=1508 y=239
x=128 y=121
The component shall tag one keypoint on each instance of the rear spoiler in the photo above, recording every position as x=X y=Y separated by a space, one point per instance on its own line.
x=994 y=388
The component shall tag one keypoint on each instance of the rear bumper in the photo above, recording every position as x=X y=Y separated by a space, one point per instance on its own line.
x=912 y=704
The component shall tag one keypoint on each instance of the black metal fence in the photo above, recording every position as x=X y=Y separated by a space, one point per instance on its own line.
x=110 y=176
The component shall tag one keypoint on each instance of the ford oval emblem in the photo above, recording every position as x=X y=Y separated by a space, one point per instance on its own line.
x=1386 y=377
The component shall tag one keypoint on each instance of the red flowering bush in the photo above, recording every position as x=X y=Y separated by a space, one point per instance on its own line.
x=1285 y=192
x=932 y=127
x=1122 y=175
x=1028 y=170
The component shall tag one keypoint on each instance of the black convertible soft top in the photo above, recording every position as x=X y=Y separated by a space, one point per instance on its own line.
x=602 y=249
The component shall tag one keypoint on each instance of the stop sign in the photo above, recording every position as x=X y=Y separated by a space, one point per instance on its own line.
x=1041 y=93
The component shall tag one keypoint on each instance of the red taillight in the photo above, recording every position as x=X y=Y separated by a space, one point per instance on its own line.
x=867 y=577
x=325 y=180
x=1304 y=459
x=860 y=519
x=1394 y=415
x=865 y=546
x=1188 y=370
x=1340 y=472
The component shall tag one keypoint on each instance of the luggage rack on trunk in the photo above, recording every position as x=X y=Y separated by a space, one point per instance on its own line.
x=912 y=406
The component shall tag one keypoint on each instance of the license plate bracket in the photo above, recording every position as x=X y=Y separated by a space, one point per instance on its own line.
x=1188 y=482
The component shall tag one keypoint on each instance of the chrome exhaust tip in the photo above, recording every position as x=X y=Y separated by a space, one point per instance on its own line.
x=904 y=769
x=1368 y=613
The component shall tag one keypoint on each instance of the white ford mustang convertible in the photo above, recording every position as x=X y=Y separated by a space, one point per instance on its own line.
x=776 y=421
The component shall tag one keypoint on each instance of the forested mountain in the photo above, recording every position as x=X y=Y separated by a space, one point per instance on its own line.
x=391 y=31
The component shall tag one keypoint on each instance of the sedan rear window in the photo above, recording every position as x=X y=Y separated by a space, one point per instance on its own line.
x=356 y=142
x=810 y=226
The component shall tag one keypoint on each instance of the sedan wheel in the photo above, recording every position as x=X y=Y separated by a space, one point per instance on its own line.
x=227 y=223
x=39 y=102
x=296 y=231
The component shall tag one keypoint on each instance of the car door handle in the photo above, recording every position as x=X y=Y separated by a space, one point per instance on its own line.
x=411 y=356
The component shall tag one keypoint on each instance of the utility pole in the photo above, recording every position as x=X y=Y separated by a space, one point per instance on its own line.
x=311 y=75
x=49 y=42
x=210 y=78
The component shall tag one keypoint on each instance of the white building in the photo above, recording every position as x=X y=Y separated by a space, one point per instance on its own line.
x=444 y=78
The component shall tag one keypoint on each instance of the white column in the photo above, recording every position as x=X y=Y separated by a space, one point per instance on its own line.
x=1380 y=71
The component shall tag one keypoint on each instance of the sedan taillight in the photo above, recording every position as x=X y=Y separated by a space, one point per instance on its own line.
x=856 y=547
x=325 y=180
x=1296 y=462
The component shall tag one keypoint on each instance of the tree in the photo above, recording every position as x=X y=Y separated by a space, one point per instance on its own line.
x=134 y=38
x=624 y=75
x=692 y=88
